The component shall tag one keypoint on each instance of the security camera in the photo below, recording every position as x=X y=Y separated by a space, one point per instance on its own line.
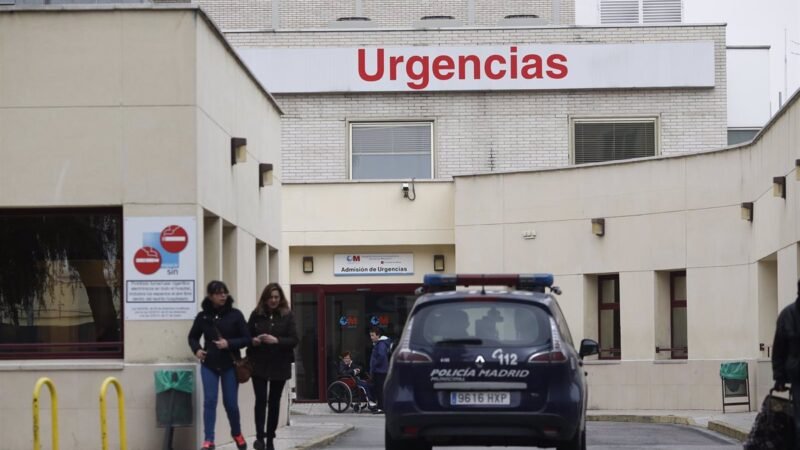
x=405 y=187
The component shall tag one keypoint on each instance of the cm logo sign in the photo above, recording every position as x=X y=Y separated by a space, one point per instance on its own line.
x=353 y=258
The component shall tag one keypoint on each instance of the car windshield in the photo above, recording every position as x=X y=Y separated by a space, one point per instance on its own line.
x=481 y=323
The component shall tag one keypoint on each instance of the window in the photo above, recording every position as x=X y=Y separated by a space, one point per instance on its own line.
x=608 y=308
x=677 y=300
x=613 y=139
x=741 y=135
x=640 y=11
x=493 y=323
x=391 y=150
x=60 y=283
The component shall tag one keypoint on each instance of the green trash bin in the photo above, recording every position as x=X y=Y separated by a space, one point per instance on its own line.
x=174 y=389
x=735 y=383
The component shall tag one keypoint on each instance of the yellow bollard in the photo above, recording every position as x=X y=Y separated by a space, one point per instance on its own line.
x=121 y=409
x=54 y=411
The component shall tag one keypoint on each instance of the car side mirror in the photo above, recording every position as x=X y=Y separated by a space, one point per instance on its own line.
x=588 y=347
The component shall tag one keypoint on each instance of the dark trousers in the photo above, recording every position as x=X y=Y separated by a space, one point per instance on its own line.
x=267 y=409
x=795 y=389
x=377 y=388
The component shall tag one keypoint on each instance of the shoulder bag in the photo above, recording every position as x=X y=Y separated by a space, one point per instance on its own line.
x=242 y=366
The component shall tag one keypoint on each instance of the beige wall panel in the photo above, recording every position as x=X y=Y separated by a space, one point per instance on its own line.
x=479 y=200
x=367 y=207
x=551 y=195
x=78 y=59
x=215 y=183
x=637 y=290
x=323 y=264
x=158 y=340
x=724 y=294
x=708 y=185
x=216 y=79
x=158 y=57
x=77 y=161
x=772 y=227
x=246 y=274
x=788 y=275
x=79 y=408
x=559 y=247
x=571 y=302
x=728 y=244
x=653 y=241
x=230 y=104
x=159 y=155
x=475 y=244
x=638 y=385
x=376 y=237
x=633 y=188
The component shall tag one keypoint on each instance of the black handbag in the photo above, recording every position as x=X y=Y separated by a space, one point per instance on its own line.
x=773 y=428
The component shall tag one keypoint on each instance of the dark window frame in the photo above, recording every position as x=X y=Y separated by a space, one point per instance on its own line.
x=611 y=353
x=30 y=351
x=674 y=303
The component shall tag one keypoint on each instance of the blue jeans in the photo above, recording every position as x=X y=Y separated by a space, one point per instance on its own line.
x=230 y=398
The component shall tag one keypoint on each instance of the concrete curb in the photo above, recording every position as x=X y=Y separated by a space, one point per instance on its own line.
x=728 y=430
x=324 y=440
x=713 y=425
x=674 y=420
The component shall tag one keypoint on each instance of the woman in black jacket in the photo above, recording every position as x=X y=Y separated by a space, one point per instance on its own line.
x=271 y=351
x=224 y=332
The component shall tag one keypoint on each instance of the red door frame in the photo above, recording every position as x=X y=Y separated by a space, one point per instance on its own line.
x=320 y=290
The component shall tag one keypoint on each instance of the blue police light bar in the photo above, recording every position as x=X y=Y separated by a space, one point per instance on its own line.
x=529 y=282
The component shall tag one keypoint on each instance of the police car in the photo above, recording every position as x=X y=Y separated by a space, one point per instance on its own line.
x=487 y=367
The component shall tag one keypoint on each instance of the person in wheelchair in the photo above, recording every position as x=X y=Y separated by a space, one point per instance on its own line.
x=348 y=368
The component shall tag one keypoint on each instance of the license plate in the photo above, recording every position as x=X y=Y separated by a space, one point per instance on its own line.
x=480 y=398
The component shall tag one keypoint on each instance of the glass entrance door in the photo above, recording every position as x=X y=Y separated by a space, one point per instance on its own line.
x=332 y=319
x=350 y=316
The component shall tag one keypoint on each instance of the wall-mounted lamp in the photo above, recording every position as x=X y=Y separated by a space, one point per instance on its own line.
x=779 y=187
x=308 y=264
x=747 y=211
x=238 y=150
x=264 y=174
x=599 y=227
x=438 y=263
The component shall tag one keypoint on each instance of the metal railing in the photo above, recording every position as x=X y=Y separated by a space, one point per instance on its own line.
x=120 y=409
x=53 y=411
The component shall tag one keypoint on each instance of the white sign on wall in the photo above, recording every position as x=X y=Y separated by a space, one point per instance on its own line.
x=483 y=68
x=160 y=268
x=373 y=264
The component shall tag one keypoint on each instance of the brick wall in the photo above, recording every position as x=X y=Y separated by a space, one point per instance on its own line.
x=491 y=131
x=307 y=14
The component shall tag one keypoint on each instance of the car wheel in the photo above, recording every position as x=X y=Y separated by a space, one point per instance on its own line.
x=578 y=442
x=403 y=444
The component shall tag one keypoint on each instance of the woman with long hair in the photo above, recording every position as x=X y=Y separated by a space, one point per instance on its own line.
x=224 y=332
x=271 y=351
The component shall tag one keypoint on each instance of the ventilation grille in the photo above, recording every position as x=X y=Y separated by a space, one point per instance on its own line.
x=662 y=11
x=640 y=11
x=619 y=11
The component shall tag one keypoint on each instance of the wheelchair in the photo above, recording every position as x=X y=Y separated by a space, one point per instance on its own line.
x=345 y=393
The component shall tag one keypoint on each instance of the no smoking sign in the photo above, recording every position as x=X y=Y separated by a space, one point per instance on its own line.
x=174 y=239
x=147 y=260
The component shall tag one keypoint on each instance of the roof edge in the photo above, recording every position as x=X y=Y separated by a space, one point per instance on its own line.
x=152 y=7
